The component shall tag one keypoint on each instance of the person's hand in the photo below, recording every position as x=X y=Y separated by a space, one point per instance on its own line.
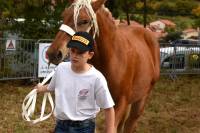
x=39 y=87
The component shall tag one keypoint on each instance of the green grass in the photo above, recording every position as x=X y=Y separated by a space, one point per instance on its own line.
x=173 y=107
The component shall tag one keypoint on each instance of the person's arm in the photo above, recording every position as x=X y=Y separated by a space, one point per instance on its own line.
x=41 y=88
x=110 y=120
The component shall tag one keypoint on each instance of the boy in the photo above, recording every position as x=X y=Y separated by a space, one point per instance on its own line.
x=80 y=90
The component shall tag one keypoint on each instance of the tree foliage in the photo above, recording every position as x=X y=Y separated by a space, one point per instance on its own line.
x=196 y=11
x=197 y=22
x=172 y=35
x=43 y=17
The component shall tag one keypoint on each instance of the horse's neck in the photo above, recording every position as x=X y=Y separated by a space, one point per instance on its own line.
x=104 y=41
x=106 y=24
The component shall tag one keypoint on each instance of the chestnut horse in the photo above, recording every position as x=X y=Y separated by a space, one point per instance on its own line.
x=128 y=56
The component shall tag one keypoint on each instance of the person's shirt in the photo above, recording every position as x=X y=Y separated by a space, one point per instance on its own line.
x=79 y=96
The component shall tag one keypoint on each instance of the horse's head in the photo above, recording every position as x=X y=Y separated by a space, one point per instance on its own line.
x=80 y=16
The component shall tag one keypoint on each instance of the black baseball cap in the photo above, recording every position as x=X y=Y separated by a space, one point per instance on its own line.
x=82 y=41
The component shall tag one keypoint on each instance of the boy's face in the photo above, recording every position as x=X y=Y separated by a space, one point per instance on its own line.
x=79 y=58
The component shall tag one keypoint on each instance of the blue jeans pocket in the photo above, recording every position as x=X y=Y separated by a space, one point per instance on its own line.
x=60 y=128
x=86 y=126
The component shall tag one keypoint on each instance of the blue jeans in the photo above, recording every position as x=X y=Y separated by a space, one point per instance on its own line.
x=68 y=126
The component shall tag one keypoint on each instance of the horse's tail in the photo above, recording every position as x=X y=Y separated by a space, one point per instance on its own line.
x=154 y=47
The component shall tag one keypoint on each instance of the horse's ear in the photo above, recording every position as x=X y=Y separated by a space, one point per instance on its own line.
x=96 y=4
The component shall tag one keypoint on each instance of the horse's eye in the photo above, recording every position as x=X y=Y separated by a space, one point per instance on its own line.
x=83 y=22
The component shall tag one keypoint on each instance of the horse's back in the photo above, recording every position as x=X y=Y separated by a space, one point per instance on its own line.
x=146 y=60
x=143 y=42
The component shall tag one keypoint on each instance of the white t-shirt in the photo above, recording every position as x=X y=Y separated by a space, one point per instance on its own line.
x=79 y=96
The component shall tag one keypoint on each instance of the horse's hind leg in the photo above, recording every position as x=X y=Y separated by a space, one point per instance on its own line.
x=136 y=110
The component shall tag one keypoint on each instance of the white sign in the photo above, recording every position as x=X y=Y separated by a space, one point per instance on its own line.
x=43 y=68
x=10 y=45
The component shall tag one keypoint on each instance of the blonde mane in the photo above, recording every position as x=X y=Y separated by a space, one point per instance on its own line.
x=87 y=4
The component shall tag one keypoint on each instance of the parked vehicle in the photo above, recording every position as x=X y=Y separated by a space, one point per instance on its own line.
x=186 y=41
x=180 y=58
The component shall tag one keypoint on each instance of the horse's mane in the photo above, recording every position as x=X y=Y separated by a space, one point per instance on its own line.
x=78 y=5
x=87 y=5
x=106 y=11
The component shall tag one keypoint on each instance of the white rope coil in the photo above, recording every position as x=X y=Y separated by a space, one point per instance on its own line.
x=28 y=106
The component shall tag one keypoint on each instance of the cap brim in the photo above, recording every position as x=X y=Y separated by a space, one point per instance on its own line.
x=77 y=45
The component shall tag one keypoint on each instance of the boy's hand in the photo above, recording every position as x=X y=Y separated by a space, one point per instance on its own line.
x=39 y=87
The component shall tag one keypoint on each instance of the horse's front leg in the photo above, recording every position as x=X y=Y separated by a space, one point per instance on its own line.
x=136 y=110
x=120 y=111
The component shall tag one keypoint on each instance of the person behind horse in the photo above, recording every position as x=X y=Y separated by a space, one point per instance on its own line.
x=80 y=90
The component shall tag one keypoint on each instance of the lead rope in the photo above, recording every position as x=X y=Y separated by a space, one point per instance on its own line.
x=28 y=107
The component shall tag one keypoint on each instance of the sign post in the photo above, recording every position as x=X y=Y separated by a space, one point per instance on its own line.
x=10 y=45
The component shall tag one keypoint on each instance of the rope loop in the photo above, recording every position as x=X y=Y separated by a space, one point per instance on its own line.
x=28 y=106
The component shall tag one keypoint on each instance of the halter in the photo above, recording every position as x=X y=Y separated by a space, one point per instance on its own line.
x=67 y=29
x=70 y=31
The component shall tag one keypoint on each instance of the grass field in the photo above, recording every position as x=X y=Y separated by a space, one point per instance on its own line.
x=173 y=107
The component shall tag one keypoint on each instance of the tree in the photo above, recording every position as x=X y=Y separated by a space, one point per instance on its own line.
x=167 y=9
x=41 y=17
x=44 y=15
x=197 y=23
x=172 y=36
x=184 y=7
x=196 y=11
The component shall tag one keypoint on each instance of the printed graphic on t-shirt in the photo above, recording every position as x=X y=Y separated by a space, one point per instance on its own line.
x=83 y=93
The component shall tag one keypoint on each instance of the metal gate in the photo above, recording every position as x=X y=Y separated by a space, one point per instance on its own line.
x=18 y=59
x=180 y=58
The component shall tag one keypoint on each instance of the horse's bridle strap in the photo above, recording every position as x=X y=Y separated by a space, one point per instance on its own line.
x=67 y=29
